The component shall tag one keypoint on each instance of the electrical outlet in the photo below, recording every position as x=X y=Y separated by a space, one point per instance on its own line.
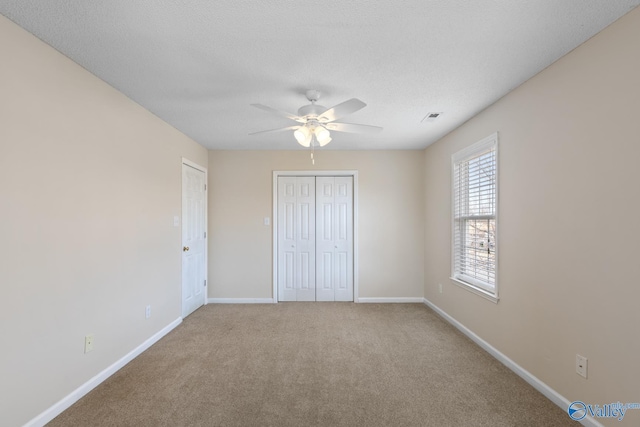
x=440 y=287
x=88 y=343
x=581 y=365
x=147 y=312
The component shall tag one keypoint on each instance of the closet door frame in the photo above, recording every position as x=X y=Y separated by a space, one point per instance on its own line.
x=345 y=173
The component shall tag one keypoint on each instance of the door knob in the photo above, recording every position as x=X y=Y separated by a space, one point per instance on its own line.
x=185 y=249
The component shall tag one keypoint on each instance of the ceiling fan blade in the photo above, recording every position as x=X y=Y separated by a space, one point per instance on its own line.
x=353 y=127
x=275 y=130
x=341 y=110
x=280 y=113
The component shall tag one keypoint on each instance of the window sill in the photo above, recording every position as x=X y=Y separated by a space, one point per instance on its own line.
x=474 y=289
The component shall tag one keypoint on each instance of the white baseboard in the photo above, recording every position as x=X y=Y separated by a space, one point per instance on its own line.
x=271 y=301
x=240 y=301
x=85 y=388
x=391 y=300
x=543 y=388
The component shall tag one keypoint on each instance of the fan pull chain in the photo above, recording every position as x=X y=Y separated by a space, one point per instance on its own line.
x=313 y=161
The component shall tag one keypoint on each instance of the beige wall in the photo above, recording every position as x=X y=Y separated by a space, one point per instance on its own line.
x=568 y=228
x=391 y=212
x=89 y=185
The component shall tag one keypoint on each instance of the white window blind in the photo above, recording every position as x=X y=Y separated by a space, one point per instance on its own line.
x=474 y=215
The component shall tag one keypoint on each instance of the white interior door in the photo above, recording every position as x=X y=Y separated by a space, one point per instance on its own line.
x=193 y=239
x=334 y=238
x=315 y=238
x=296 y=239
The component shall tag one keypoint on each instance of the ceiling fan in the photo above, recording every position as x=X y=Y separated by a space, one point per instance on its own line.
x=316 y=121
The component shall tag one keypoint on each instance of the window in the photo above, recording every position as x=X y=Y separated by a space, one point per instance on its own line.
x=474 y=217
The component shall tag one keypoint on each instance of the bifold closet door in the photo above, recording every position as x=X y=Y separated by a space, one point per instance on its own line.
x=296 y=239
x=315 y=239
x=334 y=238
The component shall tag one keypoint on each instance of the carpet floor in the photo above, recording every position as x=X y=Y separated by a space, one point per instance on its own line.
x=314 y=364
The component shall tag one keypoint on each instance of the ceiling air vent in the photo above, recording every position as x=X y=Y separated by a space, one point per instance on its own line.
x=431 y=117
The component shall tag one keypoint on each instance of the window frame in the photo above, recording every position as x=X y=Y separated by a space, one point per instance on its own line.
x=472 y=284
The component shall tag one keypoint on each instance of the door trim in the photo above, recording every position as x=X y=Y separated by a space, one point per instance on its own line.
x=274 y=230
x=187 y=162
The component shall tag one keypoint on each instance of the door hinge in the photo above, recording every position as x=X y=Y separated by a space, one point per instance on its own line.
x=205 y=187
x=205 y=234
x=205 y=283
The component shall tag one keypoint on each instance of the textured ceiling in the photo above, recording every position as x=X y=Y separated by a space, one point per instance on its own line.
x=198 y=64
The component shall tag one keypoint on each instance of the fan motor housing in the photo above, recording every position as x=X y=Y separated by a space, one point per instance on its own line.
x=312 y=110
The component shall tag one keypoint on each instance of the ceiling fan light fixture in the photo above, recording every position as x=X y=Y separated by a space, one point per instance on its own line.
x=315 y=122
x=323 y=136
x=303 y=136
x=324 y=142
